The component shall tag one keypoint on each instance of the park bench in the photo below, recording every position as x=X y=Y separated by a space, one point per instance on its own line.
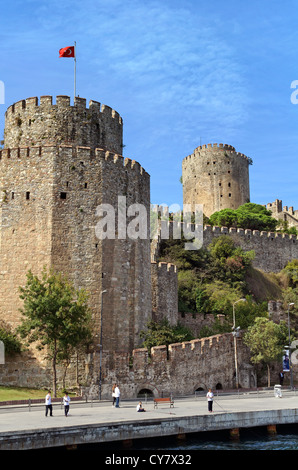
x=163 y=400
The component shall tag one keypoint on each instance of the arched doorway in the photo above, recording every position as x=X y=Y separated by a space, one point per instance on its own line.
x=145 y=392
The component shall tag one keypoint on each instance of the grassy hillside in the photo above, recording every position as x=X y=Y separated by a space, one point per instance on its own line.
x=263 y=286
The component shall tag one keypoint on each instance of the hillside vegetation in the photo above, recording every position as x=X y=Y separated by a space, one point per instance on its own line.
x=211 y=280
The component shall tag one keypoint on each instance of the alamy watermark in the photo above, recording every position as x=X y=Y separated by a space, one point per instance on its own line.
x=2 y=92
x=134 y=222
x=294 y=94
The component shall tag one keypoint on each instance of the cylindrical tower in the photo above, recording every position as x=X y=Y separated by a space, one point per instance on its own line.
x=29 y=123
x=59 y=166
x=216 y=176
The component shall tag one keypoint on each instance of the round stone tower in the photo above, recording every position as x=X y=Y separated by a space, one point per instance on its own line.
x=61 y=170
x=29 y=123
x=216 y=176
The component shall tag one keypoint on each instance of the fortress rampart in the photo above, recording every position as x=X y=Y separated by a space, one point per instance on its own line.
x=180 y=368
x=283 y=213
x=216 y=176
x=29 y=123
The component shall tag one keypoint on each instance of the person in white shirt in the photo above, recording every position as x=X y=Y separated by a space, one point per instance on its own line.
x=66 y=401
x=117 y=395
x=49 y=404
x=210 y=399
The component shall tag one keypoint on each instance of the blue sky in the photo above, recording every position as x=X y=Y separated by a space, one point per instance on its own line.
x=180 y=73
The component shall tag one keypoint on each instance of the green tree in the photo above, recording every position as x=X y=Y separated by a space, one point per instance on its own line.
x=266 y=341
x=291 y=270
x=229 y=262
x=56 y=316
x=248 y=216
x=10 y=339
x=162 y=333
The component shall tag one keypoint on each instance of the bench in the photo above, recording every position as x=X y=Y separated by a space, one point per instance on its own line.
x=163 y=400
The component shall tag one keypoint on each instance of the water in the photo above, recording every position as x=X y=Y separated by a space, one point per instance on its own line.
x=193 y=446
x=252 y=439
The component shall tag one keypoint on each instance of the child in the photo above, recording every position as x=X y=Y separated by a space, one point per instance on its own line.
x=140 y=407
x=66 y=401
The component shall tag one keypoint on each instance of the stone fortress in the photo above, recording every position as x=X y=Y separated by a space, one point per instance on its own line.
x=60 y=168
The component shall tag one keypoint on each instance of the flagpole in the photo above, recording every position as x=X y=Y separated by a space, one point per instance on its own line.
x=75 y=69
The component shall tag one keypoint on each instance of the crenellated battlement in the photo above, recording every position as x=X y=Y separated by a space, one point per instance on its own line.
x=213 y=149
x=32 y=122
x=9 y=155
x=172 y=229
x=167 y=267
x=178 y=351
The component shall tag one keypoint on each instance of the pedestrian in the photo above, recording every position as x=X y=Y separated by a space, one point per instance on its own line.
x=66 y=400
x=113 y=395
x=210 y=399
x=49 y=404
x=140 y=407
x=117 y=396
x=281 y=377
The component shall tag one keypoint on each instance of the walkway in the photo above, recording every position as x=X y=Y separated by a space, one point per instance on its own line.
x=100 y=422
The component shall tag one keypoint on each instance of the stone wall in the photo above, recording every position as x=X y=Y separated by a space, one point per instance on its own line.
x=273 y=250
x=164 y=280
x=179 y=369
x=217 y=177
x=54 y=198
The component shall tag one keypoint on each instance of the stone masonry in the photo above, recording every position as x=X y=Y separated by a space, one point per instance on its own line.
x=52 y=186
x=217 y=177
x=64 y=183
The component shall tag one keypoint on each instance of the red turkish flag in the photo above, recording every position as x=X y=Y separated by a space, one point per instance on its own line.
x=67 y=52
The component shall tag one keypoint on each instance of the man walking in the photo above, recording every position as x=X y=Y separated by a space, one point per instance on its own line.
x=117 y=395
x=210 y=400
x=49 y=404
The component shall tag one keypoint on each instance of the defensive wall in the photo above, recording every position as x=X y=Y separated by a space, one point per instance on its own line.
x=273 y=250
x=179 y=368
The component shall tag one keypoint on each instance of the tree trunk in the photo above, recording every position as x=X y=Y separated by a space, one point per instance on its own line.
x=54 y=372
x=268 y=371
x=54 y=377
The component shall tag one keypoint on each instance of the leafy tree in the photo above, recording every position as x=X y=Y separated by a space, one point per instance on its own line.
x=162 y=333
x=230 y=263
x=248 y=216
x=221 y=297
x=291 y=270
x=266 y=341
x=56 y=316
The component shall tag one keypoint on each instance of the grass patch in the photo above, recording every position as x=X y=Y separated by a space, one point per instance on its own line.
x=19 y=393
x=15 y=393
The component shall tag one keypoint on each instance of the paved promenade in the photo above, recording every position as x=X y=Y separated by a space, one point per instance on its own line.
x=100 y=420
